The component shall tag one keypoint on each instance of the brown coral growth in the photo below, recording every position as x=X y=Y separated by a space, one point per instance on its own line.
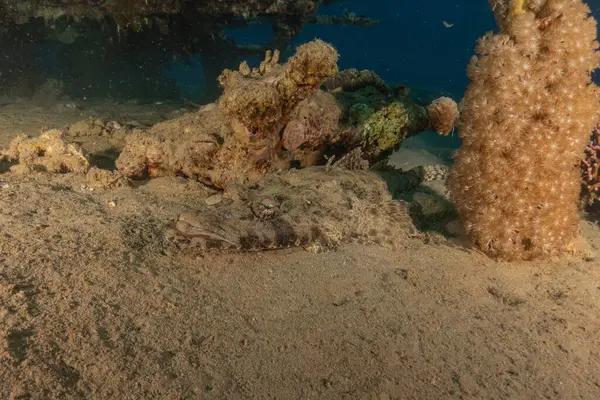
x=590 y=168
x=239 y=139
x=262 y=99
x=526 y=117
x=49 y=152
x=352 y=80
x=315 y=120
x=312 y=64
x=443 y=113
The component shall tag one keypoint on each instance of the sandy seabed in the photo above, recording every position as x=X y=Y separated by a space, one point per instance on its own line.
x=94 y=304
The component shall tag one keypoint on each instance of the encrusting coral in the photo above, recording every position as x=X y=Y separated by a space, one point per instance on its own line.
x=379 y=118
x=525 y=120
x=383 y=126
x=378 y=121
x=49 y=152
x=313 y=121
x=382 y=130
x=236 y=140
x=273 y=117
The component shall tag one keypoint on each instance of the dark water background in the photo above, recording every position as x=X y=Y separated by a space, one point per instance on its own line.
x=410 y=46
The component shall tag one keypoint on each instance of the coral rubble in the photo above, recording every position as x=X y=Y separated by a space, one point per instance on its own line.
x=525 y=119
x=50 y=152
x=275 y=116
x=182 y=146
x=105 y=179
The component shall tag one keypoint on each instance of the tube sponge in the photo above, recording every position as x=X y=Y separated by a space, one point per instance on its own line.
x=525 y=121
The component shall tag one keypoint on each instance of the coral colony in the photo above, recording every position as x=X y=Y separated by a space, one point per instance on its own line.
x=277 y=116
x=526 y=118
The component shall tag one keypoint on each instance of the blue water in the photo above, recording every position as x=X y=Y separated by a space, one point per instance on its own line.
x=410 y=45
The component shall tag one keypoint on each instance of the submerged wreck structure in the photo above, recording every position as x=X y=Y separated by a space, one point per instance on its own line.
x=118 y=47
